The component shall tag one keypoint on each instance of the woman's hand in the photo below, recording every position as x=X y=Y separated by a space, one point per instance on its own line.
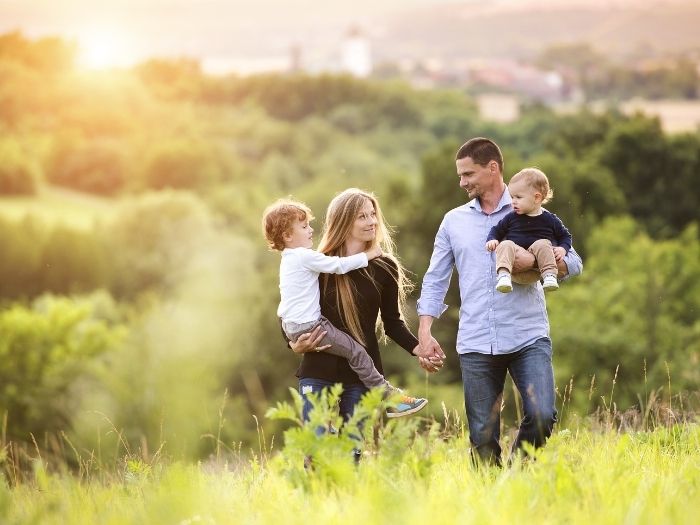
x=429 y=364
x=310 y=341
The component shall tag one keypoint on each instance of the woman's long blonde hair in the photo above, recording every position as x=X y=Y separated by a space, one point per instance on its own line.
x=340 y=218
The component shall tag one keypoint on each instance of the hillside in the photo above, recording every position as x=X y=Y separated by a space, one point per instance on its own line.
x=59 y=205
x=465 y=30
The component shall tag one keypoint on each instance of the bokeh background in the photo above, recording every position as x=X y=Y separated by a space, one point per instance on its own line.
x=141 y=140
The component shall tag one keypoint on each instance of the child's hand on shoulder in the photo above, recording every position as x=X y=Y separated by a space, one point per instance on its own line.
x=491 y=245
x=559 y=253
x=373 y=253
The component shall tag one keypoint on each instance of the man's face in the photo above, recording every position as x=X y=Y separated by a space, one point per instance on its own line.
x=475 y=178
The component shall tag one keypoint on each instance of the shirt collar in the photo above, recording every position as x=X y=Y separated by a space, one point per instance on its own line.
x=505 y=201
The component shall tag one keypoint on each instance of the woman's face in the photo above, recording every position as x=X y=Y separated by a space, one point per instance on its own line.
x=365 y=226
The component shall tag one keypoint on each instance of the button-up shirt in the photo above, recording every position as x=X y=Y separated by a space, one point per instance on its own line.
x=490 y=322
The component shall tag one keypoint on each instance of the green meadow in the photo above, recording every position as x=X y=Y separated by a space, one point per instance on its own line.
x=581 y=476
x=607 y=468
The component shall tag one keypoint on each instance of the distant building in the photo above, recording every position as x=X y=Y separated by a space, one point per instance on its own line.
x=355 y=54
x=512 y=77
x=295 y=63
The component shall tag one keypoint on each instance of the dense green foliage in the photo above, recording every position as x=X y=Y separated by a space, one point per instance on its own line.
x=186 y=163
x=43 y=350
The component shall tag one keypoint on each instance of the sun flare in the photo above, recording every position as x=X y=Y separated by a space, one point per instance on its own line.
x=103 y=48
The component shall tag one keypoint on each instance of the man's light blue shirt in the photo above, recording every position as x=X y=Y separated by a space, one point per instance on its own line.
x=490 y=322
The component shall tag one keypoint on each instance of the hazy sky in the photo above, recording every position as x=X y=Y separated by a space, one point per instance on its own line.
x=126 y=31
x=131 y=30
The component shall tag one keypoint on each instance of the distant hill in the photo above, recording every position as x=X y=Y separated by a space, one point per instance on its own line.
x=520 y=30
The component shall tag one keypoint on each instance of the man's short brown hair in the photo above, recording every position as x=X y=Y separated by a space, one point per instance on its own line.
x=279 y=218
x=481 y=151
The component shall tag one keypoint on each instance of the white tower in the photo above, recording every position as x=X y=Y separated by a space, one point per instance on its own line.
x=356 y=56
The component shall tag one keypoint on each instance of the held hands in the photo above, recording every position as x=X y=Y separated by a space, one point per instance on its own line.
x=373 y=253
x=430 y=364
x=491 y=245
x=559 y=253
x=428 y=346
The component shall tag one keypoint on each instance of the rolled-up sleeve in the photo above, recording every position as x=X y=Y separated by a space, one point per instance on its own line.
x=574 y=264
x=437 y=279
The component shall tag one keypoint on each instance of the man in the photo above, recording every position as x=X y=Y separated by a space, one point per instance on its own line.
x=498 y=332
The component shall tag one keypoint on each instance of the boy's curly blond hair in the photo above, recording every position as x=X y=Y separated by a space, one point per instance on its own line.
x=278 y=219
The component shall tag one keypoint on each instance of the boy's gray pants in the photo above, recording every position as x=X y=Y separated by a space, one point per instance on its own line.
x=342 y=345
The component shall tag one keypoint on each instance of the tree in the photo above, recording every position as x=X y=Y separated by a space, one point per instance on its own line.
x=19 y=174
x=636 y=151
x=97 y=166
x=182 y=164
x=44 y=351
x=152 y=239
x=50 y=55
x=634 y=306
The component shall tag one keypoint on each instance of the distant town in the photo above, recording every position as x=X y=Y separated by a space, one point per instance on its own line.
x=561 y=76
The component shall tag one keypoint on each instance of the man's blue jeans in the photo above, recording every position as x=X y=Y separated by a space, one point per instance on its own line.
x=483 y=377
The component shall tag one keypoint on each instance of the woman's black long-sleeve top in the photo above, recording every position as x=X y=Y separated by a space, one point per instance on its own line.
x=371 y=300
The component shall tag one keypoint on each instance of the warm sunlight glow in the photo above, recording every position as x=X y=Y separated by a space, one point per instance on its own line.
x=103 y=48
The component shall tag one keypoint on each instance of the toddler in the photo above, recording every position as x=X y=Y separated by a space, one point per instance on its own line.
x=531 y=227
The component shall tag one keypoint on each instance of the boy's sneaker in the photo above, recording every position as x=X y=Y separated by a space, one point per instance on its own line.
x=405 y=406
x=549 y=283
x=503 y=284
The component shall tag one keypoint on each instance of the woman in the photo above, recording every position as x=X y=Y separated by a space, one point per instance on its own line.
x=353 y=302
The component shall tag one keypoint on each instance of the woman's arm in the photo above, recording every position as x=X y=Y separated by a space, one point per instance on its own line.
x=394 y=324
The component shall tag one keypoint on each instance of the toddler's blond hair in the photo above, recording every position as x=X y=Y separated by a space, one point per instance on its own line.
x=537 y=180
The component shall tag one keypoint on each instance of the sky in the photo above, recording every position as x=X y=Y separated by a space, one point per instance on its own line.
x=123 y=32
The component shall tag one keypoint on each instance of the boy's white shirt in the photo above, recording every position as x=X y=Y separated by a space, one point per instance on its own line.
x=299 y=290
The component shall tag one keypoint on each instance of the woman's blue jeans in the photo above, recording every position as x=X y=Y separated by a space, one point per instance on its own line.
x=483 y=377
x=352 y=393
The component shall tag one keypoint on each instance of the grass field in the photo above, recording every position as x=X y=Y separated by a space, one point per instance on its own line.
x=55 y=205
x=581 y=476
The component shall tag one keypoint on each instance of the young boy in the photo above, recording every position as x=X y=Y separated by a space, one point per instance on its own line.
x=530 y=227
x=286 y=228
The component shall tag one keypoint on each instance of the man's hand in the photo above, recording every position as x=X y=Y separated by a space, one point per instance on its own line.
x=491 y=245
x=524 y=260
x=559 y=253
x=309 y=342
x=427 y=345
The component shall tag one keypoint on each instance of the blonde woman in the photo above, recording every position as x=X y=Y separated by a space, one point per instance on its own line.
x=357 y=301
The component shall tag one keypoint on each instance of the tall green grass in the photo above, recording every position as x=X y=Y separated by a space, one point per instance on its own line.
x=412 y=471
